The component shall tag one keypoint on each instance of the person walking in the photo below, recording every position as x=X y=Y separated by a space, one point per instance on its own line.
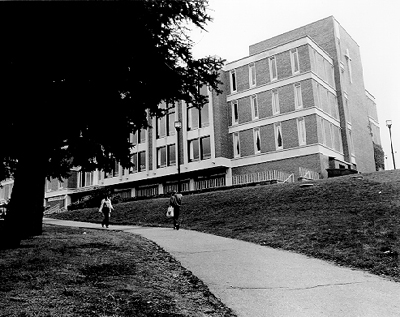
x=106 y=208
x=176 y=202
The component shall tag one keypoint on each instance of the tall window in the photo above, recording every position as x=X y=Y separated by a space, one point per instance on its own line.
x=252 y=75
x=194 y=151
x=161 y=157
x=254 y=107
x=141 y=161
x=193 y=118
x=301 y=128
x=233 y=81
x=198 y=118
x=134 y=160
x=171 y=155
x=171 y=120
x=272 y=68
x=298 y=100
x=142 y=136
x=294 y=58
x=205 y=147
x=161 y=127
x=351 y=142
x=204 y=116
x=235 y=112
x=236 y=144
x=348 y=60
x=135 y=138
x=257 y=141
x=278 y=136
x=275 y=102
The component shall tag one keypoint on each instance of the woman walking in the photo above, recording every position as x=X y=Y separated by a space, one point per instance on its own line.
x=106 y=208
x=176 y=201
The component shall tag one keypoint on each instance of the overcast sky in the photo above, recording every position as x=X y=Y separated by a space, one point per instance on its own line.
x=373 y=24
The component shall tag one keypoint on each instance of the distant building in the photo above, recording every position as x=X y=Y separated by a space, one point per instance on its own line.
x=294 y=108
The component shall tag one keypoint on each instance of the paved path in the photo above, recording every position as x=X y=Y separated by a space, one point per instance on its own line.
x=259 y=281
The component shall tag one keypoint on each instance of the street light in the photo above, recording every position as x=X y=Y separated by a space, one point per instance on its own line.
x=178 y=127
x=389 y=125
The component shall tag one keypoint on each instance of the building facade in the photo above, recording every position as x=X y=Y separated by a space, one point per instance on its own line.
x=293 y=108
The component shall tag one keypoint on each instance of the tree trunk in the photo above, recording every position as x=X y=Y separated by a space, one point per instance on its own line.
x=25 y=212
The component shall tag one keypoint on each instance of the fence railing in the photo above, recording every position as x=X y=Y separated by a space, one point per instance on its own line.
x=308 y=174
x=54 y=210
x=263 y=177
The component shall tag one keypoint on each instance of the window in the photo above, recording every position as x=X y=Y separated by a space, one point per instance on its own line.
x=275 y=102
x=204 y=116
x=115 y=170
x=198 y=118
x=194 y=151
x=161 y=124
x=193 y=118
x=141 y=161
x=235 y=112
x=257 y=141
x=205 y=145
x=134 y=160
x=294 y=58
x=142 y=136
x=233 y=81
x=161 y=157
x=272 y=68
x=254 y=107
x=348 y=60
x=171 y=120
x=134 y=138
x=252 y=75
x=171 y=155
x=301 y=128
x=278 y=136
x=236 y=144
x=86 y=179
x=298 y=100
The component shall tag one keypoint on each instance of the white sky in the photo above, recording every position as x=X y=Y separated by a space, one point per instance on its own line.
x=373 y=24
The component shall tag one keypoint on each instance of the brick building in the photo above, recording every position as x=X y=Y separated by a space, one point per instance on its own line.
x=295 y=107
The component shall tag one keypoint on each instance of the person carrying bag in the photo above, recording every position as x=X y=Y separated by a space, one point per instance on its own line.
x=106 y=208
x=175 y=202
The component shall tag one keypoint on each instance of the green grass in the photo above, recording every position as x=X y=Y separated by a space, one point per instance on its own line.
x=352 y=220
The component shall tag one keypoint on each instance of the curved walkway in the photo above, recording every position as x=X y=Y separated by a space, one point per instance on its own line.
x=260 y=281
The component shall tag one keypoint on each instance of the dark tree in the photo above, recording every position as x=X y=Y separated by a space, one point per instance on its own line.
x=77 y=78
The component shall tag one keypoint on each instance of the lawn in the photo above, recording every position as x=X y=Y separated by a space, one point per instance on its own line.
x=81 y=272
x=352 y=220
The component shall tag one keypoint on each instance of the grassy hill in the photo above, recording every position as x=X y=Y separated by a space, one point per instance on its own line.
x=352 y=220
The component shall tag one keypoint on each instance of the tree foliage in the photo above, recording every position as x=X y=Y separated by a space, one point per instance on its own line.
x=76 y=79
x=379 y=156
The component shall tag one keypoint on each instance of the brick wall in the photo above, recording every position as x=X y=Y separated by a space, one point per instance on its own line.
x=267 y=138
x=265 y=104
x=246 y=142
x=262 y=72
x=222 y=119
x=358 y=109
x=283 y=65
x=289 y=134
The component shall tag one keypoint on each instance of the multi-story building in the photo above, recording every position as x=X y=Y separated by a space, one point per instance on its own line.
x=295 y=107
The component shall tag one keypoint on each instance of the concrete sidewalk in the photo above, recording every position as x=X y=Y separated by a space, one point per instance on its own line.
x=259 y=281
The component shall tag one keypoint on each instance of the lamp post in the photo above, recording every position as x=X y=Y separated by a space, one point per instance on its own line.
x=389 y=125
x=178 y=126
